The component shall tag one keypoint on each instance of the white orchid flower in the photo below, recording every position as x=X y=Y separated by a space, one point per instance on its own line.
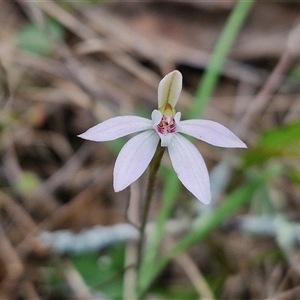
x=165 y=126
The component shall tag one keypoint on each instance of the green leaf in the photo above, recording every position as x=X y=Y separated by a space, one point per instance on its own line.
x=295 y=73
x=294 y=174
x=103 y=272
x=34 y=39
x=281 y=142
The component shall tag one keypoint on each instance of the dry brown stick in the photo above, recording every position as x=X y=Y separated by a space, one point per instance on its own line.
x=55 y=219
x=32 y=11
x=14 y=171
x=76 y=282
x=129 y=64
x=13 y=265
x=285 y=280
x=66 y=19
x=67 y=170
x=118 y=56
x=77 y=71
x=31 y=245
x=192 y=271
x=290 y=294
x=167 y=54
x=286 y=60
x=85 y=79
x=24 y=224
x=130 y=277
x=30 y=291
x=42 y=64
x=17 y=213
x=293 y=111
x=92 y=35
x=126 y=62
x=263 y=97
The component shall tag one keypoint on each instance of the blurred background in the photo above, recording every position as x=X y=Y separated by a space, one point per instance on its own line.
x=68 y=65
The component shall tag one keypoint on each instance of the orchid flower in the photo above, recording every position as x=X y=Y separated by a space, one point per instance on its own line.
x=165 y=127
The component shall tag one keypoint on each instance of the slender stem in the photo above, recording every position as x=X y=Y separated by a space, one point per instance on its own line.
x=153 y=168
x=169 y=198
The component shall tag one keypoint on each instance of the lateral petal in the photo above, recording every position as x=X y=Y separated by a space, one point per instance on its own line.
x=190 y=167
x=116 y=127
x=211 y=132
x=134 y=158
x=156 y=117
x=169 y=89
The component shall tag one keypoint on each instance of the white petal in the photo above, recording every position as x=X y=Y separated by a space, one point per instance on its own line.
x=211 y=132
x=190 y=167
x=156 y=117
x=134 y=158
x=177 y=117
x=116 y=127
x=169 y=89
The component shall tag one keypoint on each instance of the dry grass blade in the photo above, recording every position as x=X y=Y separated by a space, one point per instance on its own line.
x=11 y=265
x=17 y=213
x=192 y=271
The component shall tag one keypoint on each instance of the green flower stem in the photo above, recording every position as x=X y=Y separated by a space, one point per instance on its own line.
x=153 y=168
x=169 y=198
